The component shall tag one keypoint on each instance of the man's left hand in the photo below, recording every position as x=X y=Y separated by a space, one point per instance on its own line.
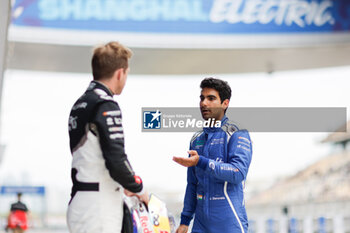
x=143 y=197
x=188 y=162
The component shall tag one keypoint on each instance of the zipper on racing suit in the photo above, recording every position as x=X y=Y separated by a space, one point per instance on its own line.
x=207 y=180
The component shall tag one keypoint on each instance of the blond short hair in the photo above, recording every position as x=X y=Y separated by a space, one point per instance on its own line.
x=108 y=58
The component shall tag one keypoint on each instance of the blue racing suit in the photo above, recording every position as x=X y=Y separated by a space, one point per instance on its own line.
x=214 y=192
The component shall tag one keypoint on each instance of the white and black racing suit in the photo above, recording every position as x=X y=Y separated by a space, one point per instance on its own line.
x=100 y=168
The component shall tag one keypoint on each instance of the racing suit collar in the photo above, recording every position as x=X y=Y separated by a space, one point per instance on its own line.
x=215 y=129
x=103 y=87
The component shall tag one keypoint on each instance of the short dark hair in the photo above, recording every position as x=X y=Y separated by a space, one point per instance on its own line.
x=108 y=58
x=219 y=85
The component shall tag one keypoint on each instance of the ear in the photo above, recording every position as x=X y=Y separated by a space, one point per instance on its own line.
x=118 y=73
x=226 y=103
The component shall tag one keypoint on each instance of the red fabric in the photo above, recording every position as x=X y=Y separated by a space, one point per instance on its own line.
x=18 y=218
x=138 y=179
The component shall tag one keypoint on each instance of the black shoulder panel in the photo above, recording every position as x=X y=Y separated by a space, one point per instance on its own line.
x=83 y=111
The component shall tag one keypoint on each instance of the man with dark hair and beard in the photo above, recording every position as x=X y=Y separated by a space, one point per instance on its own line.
x=218 y=163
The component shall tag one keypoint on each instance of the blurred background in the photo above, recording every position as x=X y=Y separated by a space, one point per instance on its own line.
x=273 y=53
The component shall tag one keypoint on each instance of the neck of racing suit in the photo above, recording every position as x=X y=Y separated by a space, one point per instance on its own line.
x=213 y=129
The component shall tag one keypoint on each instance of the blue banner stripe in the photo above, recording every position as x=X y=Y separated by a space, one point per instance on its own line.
x=40 y=190
x=186 y=16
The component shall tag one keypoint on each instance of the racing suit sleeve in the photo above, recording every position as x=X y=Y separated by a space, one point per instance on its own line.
x=108 y=120
x=190 y=201
x=234 y=170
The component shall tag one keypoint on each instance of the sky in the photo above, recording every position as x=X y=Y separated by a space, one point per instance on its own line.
x=36 y=107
